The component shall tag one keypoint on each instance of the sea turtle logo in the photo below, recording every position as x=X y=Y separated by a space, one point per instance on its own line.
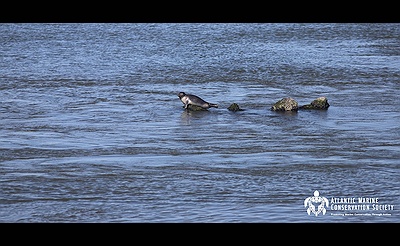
x=318 y=201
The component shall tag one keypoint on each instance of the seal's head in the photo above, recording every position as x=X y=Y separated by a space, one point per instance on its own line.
x=181 y=94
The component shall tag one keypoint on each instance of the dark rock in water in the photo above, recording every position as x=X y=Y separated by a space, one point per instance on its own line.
x=234 y=107
x=195 y=108
x=319 y=103
x=285 y=104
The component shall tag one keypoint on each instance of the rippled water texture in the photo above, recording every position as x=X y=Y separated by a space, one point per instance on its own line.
x=92 y=129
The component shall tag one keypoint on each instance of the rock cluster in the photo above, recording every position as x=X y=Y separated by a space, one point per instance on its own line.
x=289 y=104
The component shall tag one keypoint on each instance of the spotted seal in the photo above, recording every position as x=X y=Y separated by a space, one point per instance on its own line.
x=188 y=99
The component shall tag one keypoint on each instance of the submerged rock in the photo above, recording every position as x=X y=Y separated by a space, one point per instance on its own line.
x=234 y=107
x=319 y=103
x=285 y=104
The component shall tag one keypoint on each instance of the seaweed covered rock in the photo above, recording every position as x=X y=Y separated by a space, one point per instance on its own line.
x=285 y=104
x=319 y=103
x=234 y=107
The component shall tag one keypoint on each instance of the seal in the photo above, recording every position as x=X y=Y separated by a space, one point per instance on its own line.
x=188 y=99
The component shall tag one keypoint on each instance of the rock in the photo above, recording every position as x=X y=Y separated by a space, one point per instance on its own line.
x=319 y=103
x=285 y=104
x=234 y=107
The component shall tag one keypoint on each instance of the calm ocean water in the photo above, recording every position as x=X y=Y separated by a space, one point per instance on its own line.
x=92 y=129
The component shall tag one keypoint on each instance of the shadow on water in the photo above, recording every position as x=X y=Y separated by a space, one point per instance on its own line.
x=187 y=116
